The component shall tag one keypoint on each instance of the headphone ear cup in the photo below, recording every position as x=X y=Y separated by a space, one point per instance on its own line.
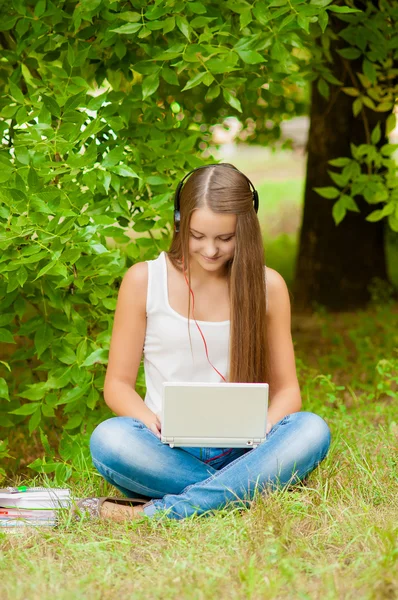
x=177 y=216
x=177 y=219
x=255 y=200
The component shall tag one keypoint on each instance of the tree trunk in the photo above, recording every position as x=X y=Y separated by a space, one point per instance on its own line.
x=336 y=264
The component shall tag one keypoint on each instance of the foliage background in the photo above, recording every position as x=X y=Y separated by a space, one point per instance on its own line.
x=104 y=106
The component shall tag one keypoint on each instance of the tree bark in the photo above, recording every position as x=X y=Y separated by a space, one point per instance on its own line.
x=336 y=264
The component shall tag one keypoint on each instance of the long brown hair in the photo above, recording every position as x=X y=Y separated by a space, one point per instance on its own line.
x=225 y=190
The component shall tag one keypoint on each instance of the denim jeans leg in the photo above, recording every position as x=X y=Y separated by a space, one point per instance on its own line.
x=130 y=457
x=294 y=447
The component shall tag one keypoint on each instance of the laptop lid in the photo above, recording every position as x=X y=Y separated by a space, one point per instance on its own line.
x=219 y=415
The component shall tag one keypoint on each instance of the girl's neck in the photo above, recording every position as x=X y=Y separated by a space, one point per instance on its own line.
x=200 y=276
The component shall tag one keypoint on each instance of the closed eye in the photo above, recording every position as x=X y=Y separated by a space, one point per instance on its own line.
x=196 y=237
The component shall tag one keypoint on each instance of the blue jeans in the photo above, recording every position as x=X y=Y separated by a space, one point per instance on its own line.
x=185 y=481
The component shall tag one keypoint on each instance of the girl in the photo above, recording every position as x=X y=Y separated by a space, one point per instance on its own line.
x=213 y=273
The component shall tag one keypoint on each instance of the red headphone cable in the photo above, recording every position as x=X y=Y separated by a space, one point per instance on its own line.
x=196 y=323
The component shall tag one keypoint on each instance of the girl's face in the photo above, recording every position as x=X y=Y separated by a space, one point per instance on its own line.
x=211 y=238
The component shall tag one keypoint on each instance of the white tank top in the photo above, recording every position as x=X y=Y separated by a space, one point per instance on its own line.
x=167 y=352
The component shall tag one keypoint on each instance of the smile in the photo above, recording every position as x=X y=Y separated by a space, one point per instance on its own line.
x=211 y=259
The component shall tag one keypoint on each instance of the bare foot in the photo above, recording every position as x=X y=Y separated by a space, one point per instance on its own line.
x=119 y=513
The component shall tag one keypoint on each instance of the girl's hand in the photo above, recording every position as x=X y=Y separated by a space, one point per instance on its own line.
x=156 y=426
x=269 y=427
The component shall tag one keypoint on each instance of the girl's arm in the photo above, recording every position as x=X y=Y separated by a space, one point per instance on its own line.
x=126 y=349
x=284 y=391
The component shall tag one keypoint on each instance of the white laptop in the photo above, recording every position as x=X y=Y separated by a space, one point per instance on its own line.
x=218 y=415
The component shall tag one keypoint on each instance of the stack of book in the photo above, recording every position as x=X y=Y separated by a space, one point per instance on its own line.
x=36 y=506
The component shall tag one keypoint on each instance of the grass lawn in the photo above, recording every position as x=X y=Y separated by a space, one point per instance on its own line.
x=335 y=537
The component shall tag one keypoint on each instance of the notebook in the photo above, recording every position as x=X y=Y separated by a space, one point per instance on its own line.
x=217 y=415
x=34 y=506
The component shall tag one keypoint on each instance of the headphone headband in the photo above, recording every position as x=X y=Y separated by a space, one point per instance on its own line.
x=177 y=216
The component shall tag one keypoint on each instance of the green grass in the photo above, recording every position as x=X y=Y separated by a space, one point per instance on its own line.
x=335 y=537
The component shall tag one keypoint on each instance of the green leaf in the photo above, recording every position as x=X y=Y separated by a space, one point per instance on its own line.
x=384 y=106
x=323 y=88
x=75 y=101
x=65 y=354
x=368 y=102
x=393 y=222
x=338 y=212
x=113 y=157
x=169 y=25
x=342 y=9
x=157 y=179
x=43 y=338
x=71 y=255
x=369 y=70
x=124 y=171
x=98 y=356
x=40 y=8
x=245 y=18
x=391 y=123
x=92 y=398
x=232 y=100
x=213 y=92
x=22 y=276
x=357 y=106
x=196 y=80
x=251 y=57
x=351 y=91
x=71 y=395
x=376 y=135
x=34 y=420
x=81 y=351
x=339 y=162
x=4 y=389
x=52 y=106
x=200 y=22
x=374 y=216
x=130 y=16
x=7 y=23
x=16 y=93
x=303 y=23
x=183 y=26
x=73 y=422
x=5 y=336
x=128 y=29
x=46 y=268
x=145 y=32
x=170 y=76
x=338 y=178
x=26 y=409
x=349 y=203
x=150 y=85
x=350 y=53
x=389 y=149
x=327 y=192
x=35 y=391
x=198 y=8
x=323 y=19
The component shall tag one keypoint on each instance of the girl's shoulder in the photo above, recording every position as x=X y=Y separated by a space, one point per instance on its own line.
x=135 y=285
x=273 y=278
x=137 y=275
x=277 y=291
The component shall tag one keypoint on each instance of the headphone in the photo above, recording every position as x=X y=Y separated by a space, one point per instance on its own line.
x=177 y=215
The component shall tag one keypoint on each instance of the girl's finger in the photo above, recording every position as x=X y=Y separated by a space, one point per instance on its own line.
x=155 y=430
